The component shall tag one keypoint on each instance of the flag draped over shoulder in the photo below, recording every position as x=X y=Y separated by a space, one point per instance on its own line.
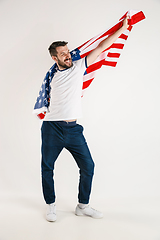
x=108 y=57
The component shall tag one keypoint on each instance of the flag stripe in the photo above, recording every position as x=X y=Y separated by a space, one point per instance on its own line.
x=123 y=36
x=85 y=54
x=109 y=32
x=87 y=83
x=88 y=76
x=109 y=63
x=113 y=55
x=117 y=45
x=137 y=17
x=41 y=115
x=94 y=66
x=108 y=57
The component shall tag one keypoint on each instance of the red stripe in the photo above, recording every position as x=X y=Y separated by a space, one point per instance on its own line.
x=123 y=16
x=123 y=36
x=111 y=64
x=85 y=54
x=114 y=45
x=95 y=66
x=41 y=115
x=113 y=55
x=87 y=83
x=129 y=28
x=109 y=32
x=136 y=18
x=117 y=45
x=84 y=44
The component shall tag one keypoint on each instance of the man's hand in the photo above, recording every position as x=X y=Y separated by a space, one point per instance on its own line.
x=106 y=43
x=125 y=23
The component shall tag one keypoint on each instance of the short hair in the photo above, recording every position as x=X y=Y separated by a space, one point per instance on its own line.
x=54 y=45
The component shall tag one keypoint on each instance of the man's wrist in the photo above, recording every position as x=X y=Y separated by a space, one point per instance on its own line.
x=124 y=28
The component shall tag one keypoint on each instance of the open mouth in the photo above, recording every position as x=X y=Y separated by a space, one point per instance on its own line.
x=68 y=60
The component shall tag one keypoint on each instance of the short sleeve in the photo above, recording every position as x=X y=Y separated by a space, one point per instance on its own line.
x=81 y=64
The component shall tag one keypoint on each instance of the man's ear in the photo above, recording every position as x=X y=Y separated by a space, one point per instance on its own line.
x=54 y=58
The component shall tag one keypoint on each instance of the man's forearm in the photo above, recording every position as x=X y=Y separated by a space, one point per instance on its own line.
x=111 y=39
x=106 y=43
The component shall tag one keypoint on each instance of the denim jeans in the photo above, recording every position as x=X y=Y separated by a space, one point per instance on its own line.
x=57 y=135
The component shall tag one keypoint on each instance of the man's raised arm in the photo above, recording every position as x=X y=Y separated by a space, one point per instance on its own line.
x=106 y=43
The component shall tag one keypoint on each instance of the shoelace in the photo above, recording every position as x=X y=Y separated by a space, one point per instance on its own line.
x=92 y=208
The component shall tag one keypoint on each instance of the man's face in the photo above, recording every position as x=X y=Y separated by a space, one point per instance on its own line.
x=63 y=58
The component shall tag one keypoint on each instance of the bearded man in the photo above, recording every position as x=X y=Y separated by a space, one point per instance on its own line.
x=60 y=128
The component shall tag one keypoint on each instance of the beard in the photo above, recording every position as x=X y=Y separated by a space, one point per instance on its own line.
x=64 y=65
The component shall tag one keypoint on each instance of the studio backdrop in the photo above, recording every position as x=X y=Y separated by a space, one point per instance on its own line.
x=120 y=109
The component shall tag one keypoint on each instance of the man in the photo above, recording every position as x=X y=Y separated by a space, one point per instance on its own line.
x=59 y=128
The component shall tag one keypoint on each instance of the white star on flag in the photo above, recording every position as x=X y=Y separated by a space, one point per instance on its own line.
x=109 y=58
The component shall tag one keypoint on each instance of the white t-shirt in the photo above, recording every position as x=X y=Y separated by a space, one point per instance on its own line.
x=66 y=92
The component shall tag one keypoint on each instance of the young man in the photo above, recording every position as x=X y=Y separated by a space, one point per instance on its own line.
x=59 y=128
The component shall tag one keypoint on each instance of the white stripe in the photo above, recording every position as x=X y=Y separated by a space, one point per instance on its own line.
x=101 y=57
x=92 y=46
x=83 y=92
x=40 y=110
x=115 y=50
x=132 y=12
x=89 y=76
x=92 y=40
x=110 y=59
x=96 y=37
x=126 y=32
x=120 y=40
x=86 y=48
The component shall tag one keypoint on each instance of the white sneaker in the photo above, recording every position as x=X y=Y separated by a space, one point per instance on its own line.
x=88 y=211
x=51 y=212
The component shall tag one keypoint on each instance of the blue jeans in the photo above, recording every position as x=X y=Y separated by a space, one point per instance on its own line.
x=57 y=135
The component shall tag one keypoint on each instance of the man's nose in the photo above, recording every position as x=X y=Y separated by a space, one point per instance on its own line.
x=68 y=55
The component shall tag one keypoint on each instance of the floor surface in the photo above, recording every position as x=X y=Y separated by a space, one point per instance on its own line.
x=23 y=218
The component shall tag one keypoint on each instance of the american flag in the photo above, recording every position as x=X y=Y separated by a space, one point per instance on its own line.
x=108 y=57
